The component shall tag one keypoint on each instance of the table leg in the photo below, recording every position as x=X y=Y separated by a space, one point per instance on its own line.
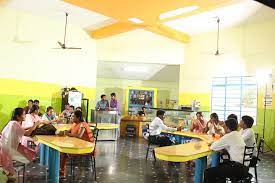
x=215 y=159
x=44 y=155
x=54 y=165
x=200 y=166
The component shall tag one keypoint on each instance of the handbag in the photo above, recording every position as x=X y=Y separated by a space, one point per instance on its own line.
x=47 y=129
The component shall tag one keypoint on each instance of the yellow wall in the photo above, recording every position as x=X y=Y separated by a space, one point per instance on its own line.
x=166 y=90
x=32 y=69
x=140 y=46
x=246 y=48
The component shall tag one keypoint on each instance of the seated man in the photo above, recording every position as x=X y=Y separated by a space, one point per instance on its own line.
x=248 y=133
x=234 y=144
x=155 y=128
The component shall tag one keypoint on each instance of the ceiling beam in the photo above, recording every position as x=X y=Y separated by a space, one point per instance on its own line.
x=113 y=29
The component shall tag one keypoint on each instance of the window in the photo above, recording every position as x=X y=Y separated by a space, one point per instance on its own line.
x=234 y=95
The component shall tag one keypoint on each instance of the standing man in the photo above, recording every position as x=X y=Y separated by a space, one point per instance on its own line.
x=103 y=104
x=114 y=105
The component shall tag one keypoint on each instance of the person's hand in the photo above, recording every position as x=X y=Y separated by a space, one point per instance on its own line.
x=66 y=133
x=61 y=133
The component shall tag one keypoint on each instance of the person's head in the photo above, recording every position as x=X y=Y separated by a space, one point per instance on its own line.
x=160 y=114
x=67 y=106
x=247 y=122
x=18 y=114
x=30 y=103
x=113 y=96
x=143 y=108
x=199 y=115
x=71 y=109
x=231 y=125
x=214 y=117
x=78 y=109
x=50 y=110
x=77 y=117
x=234 y=116
x=34 y=109
x=103 y=97
x=36 y=102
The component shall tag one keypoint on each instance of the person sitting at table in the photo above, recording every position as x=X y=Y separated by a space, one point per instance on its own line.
x=68 y=111
x=78 y=109
x=50 y=115
x=30 y=121
x=214 y=126
x=248 y=133
x=28 y=107
x=11 y=148
x=103 y=104
x=143 y=111
x=79 y=129
x=234 y=144
x=155 y=128
x=198 y=125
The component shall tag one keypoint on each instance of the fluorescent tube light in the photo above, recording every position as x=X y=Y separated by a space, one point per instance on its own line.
x=177 y=12
x=135 y=20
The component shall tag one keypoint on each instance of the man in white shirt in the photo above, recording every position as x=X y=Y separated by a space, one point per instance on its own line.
x=234 y=144
x=155 y=128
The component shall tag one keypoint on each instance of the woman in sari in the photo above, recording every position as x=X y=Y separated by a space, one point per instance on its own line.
x=80 y=129
x=198 y=124
x=10 y=146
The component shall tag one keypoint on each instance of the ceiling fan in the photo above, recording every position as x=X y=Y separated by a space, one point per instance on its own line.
x=218 y=38
x=217 y=52
x=63 y=45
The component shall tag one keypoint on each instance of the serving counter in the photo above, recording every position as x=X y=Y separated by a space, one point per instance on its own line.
x=136 y=122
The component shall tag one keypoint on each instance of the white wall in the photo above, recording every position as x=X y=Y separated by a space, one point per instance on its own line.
x=36 y=60
x=140 y=46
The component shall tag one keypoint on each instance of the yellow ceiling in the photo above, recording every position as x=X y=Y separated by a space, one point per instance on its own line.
x=146 y=10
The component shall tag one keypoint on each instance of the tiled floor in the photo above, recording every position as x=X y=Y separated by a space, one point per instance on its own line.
x=124 y=162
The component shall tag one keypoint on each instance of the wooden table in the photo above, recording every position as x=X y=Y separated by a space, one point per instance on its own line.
x=197 y=151
x=51 y=146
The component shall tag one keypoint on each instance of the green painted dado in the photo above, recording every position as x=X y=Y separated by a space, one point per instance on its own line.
x=269 y=126
x=16 y=93
x=9 y=102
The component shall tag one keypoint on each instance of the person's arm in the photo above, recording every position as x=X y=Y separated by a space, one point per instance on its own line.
x=164 y=127
x=97 y=106
x=206 y=129
x=192 y=126
x=31 y=129
x=78 y=135
x=219 y=145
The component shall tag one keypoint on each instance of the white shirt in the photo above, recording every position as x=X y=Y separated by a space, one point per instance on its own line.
x=249 y=138
x=212 y=128
x=157 y=125
x=233 y=143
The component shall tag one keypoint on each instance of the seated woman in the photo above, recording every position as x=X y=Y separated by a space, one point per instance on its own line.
x=11 y=148
x=50 y=115
x=198 y=124
x=79 y=129
x=31 y=120
x=213 y=126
